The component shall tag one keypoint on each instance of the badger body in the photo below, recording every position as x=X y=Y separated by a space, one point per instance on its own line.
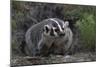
x=49 y=36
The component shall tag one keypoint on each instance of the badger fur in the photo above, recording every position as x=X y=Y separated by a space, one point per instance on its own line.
x=49 y=36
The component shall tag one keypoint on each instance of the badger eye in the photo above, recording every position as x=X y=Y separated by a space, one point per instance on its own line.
x=46 y=29
x=56 y=30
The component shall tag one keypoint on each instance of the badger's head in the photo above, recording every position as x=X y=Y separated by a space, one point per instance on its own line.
x=55 y=28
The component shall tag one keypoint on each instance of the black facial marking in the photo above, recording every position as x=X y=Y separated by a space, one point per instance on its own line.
x=54 y=24
x=46 y=29
x=57 y=30
x=52 y=32
x=62 y=28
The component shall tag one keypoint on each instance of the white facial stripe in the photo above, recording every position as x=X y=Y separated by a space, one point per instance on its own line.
x=47 y=26
x=57 y=24
x=55 y=33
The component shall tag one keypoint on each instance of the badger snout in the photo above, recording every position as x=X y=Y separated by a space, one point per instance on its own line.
x=61 y=34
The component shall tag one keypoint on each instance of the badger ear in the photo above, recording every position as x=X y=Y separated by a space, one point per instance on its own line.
x=66 y=24
x=46 y=28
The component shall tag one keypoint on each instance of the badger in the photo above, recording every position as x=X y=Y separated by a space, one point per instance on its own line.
x=52 y=35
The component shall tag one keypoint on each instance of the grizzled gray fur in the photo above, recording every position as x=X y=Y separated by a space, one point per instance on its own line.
x=51 y=36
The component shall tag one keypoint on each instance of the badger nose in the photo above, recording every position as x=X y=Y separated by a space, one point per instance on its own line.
x=62 y=34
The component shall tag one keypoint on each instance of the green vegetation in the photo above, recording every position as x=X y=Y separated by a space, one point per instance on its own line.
x=86 y=23
x=87 y=26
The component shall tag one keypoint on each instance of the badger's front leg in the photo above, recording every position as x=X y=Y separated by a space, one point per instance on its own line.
x=43 y=49
x=44 y=46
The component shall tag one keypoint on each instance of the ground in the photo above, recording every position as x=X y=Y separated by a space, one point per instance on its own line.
x=78 y=57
